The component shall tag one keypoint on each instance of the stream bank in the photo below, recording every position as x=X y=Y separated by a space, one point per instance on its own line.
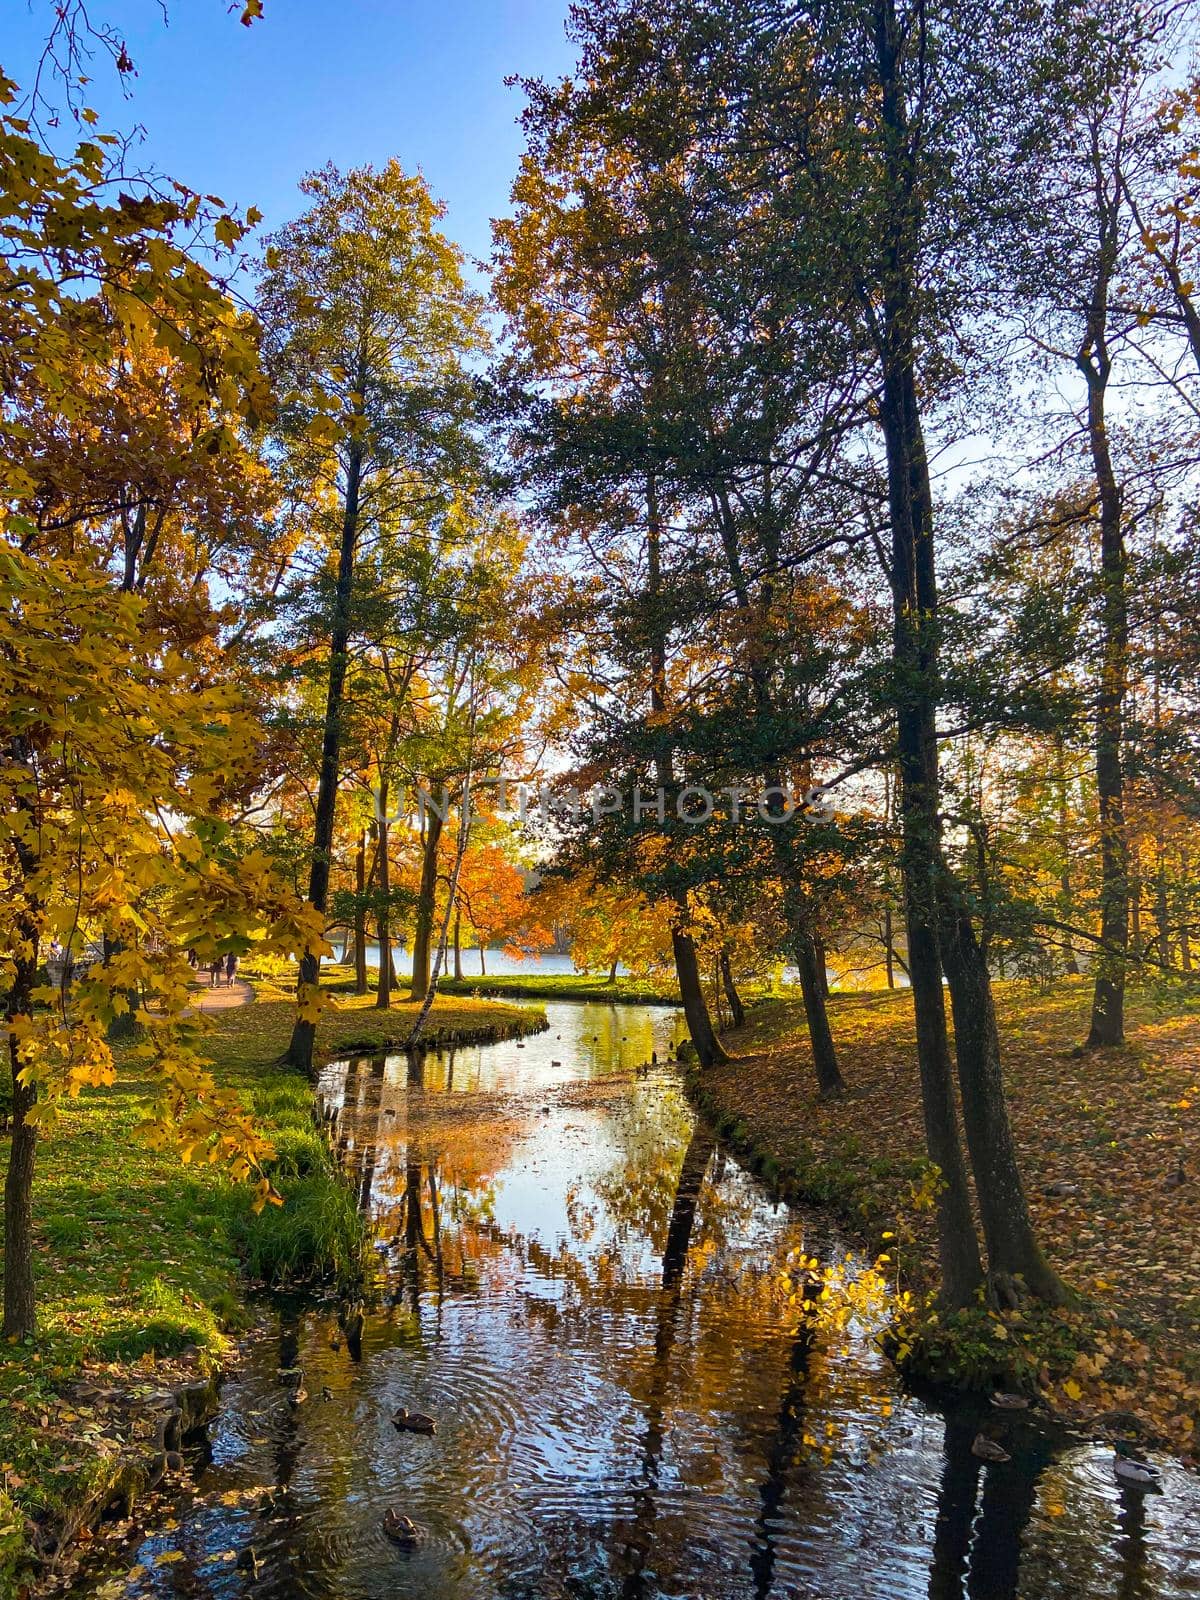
x=603 y=1313
x=1098 y=1165
x=144 y=1270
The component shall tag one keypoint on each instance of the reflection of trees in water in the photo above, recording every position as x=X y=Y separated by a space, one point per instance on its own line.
x=1009 y=1496
x=1132 y=1547
x=639 y=1192
x=680 y=1318
x=638 y=1538
x=719 y=1341
x=991 y=1546
x=1093 y=1539
x=781 y=1455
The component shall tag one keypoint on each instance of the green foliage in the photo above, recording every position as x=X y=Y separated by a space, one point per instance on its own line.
x=318 y=1233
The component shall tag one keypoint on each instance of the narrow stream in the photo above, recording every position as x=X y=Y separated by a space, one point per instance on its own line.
x=593 y=1300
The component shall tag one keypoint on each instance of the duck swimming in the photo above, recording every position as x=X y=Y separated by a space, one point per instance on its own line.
x=401 y=1530
x=988 y=1450
x=413 y=1422
x=1129 y=1468
x=1004 y=1401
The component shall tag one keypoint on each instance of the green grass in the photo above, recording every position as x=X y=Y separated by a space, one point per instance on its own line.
x=568 y=986
x=141 y=1259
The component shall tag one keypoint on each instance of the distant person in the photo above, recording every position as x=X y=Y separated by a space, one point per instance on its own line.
x=214 y=971
x=193 y=960
x=230 y=969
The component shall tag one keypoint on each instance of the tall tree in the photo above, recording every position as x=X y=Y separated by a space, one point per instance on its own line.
x=368 y=327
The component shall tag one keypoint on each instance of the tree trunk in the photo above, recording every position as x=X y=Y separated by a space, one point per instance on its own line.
x=1185 y=943
x=426 y=905
x=822 y=965
x=482 y=961
x=360 y=914
x=1012 y=1249
x=304 y=1033
x=736 y=1009
x=958 y=1247
x=383 y=923
x=612 y=971
x=20 y=1295
x=20 y=1301
x=1162 y=913
x=460 y=850
x=124 y=1027
x=829 y=1078
x=687 y=966
x=889 y=953
x=1094 y=361
x=19 y=1298
x=1066 y=897
x=458 y=972
x=914 y=649
x=695 y=1009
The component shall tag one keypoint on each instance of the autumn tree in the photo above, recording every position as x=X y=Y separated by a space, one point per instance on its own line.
x=842 y=122
x=118 y=766
x=368 y=324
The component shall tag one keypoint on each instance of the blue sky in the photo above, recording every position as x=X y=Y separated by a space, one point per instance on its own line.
x=243 y=112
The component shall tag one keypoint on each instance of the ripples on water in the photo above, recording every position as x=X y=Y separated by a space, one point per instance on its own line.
x=590 y=1298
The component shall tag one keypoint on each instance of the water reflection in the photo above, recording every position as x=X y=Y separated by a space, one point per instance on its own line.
x=633 y=1396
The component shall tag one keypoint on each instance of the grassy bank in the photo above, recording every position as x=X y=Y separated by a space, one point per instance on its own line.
x=142 y=1261
x=1100 y=1138
x=568 y=986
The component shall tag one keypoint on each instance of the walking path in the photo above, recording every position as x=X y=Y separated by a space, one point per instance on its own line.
x=224 y=997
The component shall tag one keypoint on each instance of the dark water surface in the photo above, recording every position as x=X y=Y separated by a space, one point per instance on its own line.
x=595 y=1303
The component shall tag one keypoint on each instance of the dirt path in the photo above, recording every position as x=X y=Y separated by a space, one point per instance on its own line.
x=224 y=997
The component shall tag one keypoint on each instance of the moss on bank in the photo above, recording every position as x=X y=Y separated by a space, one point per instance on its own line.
x=142 y=1261
x=1100 y=1140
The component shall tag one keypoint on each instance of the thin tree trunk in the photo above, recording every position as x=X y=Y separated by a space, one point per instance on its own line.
x=124 y=1027
x=360 y=914
x=807 y=952
x=1162 y=914
x=687 y=966
x=1094 y=362
x=1185 y=943
x=460 y=850
x=482 y=961
x=20 y=1302
x=383 y=924
x=1066 y=897
x=304 y=1033
x=736 y=1009
x=612 y=971
x=889 y=953
x=426 y=905
x=19 y=1296
x=458 y=972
